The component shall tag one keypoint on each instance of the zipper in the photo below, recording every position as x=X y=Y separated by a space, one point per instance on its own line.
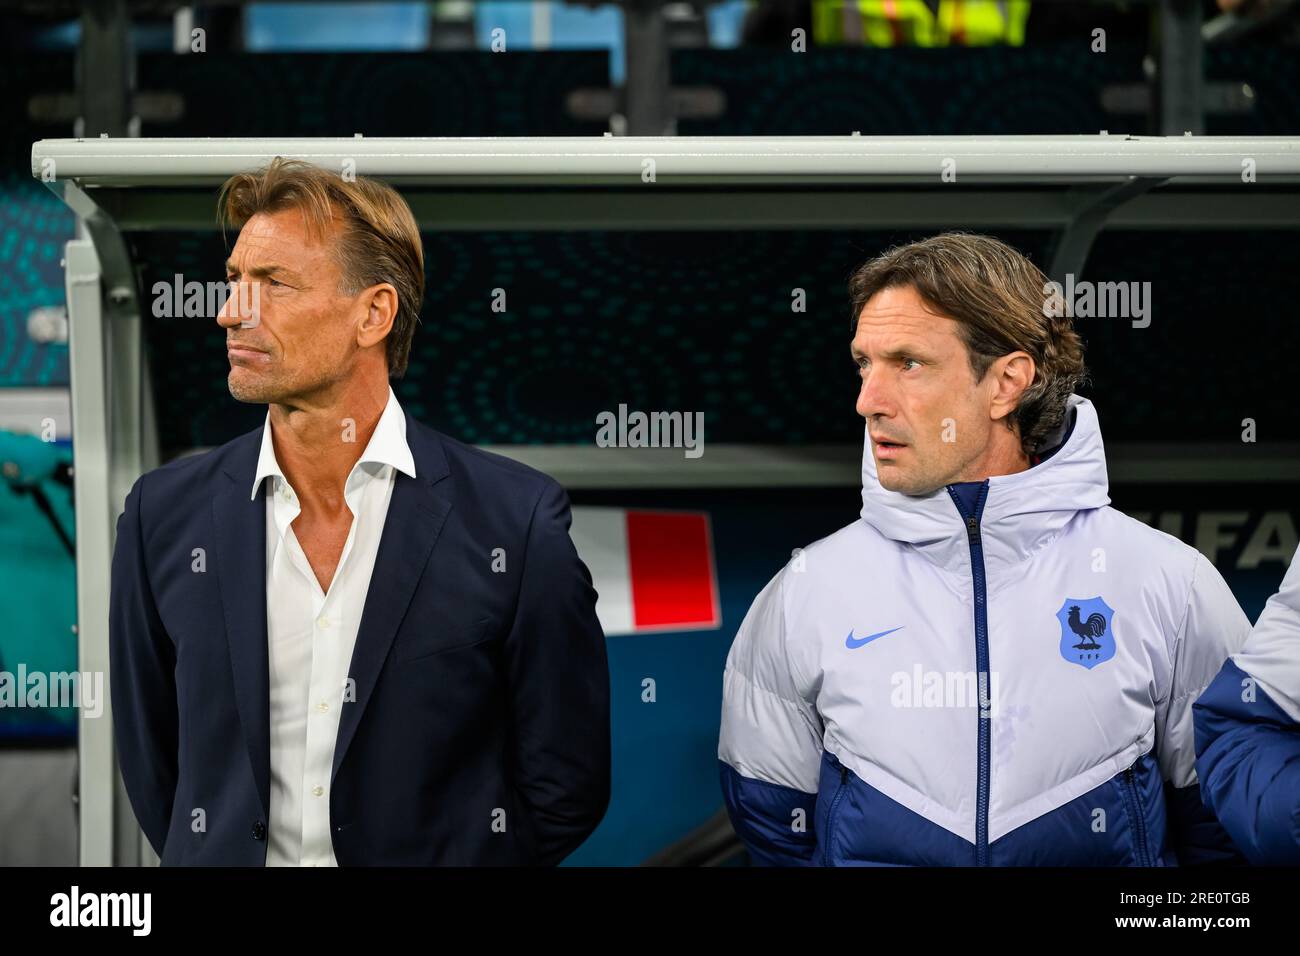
x=1134 y=807
x=830 y=815
x=973 y=541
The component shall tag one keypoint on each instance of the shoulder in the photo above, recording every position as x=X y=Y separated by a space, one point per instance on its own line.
x=493 y=495
x=1155 y=550
x=466 y=463
x=853 y=542
x=827 y=562
x=199 y=474
x=1174 y=578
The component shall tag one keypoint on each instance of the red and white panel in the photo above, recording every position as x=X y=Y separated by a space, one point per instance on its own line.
x=653 y=570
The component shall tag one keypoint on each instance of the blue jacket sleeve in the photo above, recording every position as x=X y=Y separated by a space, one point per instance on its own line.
x=558 y=674
x=774 y=822
x=1248 y=759
x=1196 y=835
x=142 y=681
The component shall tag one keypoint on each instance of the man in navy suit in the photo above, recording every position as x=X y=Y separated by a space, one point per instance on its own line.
x=343 y=638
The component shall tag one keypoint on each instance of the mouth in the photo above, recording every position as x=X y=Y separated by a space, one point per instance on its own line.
x=243 y=355
x=885 y=448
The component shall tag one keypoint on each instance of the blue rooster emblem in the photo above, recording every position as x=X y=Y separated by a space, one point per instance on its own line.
x=1087 y=631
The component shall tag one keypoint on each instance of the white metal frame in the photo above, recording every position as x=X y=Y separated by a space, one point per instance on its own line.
x=712 y=161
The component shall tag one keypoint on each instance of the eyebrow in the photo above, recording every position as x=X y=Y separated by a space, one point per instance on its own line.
x=908 y=351
x=259 y=272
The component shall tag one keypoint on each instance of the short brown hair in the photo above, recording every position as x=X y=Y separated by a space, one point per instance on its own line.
x=380 y=241
x=1001 y=301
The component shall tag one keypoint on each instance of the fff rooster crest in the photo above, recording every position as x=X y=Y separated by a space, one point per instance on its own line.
x=1087 y=631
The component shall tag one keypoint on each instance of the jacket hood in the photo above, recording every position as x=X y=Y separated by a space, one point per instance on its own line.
x=1022 y=512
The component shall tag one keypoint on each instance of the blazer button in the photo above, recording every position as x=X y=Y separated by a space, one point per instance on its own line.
x=259 y=831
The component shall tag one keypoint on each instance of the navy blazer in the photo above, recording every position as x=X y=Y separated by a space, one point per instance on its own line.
x=479 y=733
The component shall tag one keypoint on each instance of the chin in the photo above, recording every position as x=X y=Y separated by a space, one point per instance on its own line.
x=893 y=480
x=254 y=393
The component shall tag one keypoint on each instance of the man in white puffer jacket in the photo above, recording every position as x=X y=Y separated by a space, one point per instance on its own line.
x=991 y=666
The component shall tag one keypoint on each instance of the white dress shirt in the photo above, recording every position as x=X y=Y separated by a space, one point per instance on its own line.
x=310 y=636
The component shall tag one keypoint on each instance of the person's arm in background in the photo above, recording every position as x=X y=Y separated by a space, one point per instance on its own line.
x=142 y=682
x=558 y=675
x=1213 y=627
x=1248 y=734
x=770 y=744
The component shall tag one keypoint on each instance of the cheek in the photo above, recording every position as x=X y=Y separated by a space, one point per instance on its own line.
x=930 y=413
x=940 y=425
x=955 y=410
x=317 y=333
x=971 y=433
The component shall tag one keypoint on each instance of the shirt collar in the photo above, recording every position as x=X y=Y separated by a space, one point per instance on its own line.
x=387 y=446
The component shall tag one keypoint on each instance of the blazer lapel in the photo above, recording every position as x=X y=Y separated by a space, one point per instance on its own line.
x=241 y=572
x=416 y=515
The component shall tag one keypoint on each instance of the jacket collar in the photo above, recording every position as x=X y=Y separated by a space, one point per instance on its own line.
x=387 y=446
x=1022 y=513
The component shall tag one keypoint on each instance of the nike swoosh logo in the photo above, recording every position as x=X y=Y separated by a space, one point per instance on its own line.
x=852 y=642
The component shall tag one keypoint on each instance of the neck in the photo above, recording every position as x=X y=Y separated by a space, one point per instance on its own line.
x=1002 y=456
x=319 y=437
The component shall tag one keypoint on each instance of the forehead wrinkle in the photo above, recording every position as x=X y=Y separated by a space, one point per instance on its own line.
x=271 y=250
x=900 y=339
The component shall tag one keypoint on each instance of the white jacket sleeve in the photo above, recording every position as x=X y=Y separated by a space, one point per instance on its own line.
x=1213 y=628
x=770 y=744
x=1272 y=655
